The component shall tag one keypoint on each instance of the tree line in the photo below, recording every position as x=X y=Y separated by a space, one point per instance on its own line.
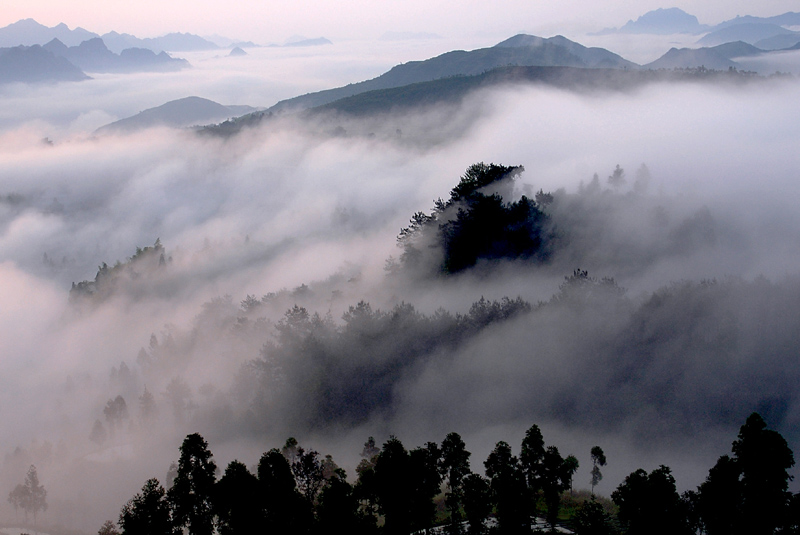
x=400 y=491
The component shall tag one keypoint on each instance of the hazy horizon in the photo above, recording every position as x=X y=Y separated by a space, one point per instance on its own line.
x=273 y=23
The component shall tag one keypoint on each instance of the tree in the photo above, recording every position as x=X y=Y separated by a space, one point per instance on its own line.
x=393 y=486
x=283 y=508
x=454 y=468
x=115 y=411
x=763 y=458
x=191 y=492
x=477 y=503
x=748 y=492
x=720 y=498
x=425 y=483
x=108 y=528
x=308 y=474
x=18 y=498
x=98 y=434
x=179 y=395
x=571 y=466
x=365 y=488
x=617 y=178
x=147 y=406
x=235 y=500
x=598 y=460
x=509 y=491
x=555 y=478
x=649 y=504
x=531 y=457
x=33 y=496
x=592 y=519
x=337 y=510
x=477 y=223
x=147 y=513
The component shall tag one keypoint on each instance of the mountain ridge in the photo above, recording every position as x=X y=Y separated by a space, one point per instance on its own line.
x=521 y=49
x=179 y=113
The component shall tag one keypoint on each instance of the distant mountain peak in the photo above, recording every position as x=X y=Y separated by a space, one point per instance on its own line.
x=661 y=21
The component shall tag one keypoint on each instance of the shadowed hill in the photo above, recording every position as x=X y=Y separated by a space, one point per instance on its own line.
x=93 y=56
x=31 y=64
x=452 y=90
x=177 y=114
x=522 y=50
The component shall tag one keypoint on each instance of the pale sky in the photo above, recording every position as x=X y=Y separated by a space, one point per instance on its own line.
x=274 y=21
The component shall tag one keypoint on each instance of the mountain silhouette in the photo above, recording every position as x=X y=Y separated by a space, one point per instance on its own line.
x=93 y=56
x=34 y=64
x=179 y=113
x=522 y=50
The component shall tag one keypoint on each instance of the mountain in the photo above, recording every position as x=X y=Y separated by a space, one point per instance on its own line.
x=236 y=51
x=738 y=49
x=664 y=22
x=779 y=42
x=117 y=42
x=719 y=57
x=172 y=42
x=29 y=32
x=523 y=50
x=593 y=57
x=682 y=58
x=179 y=42
x=749 y=32
x=179 y=113
x=94 y=56
x=787 y=19
x=34 y=64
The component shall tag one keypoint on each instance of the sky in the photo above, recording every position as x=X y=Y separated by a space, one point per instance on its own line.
x=275 y=21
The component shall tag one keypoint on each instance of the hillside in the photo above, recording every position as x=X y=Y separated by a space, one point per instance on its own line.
x=452 y=90
x=749 y=32
x=93 y=56
x=34 y=64
x=521 y=50
x=179 y=113
x=682 y=58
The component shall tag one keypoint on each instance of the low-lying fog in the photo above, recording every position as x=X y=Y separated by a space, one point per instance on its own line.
x=287 y=205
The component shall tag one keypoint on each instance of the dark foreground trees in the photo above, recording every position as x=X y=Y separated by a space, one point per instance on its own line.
x=148 y=513
x=397 y=491
x=650 y=504
x=191 y=491
x=747 y=493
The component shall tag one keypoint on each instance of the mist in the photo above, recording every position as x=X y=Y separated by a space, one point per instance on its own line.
x=701 y=240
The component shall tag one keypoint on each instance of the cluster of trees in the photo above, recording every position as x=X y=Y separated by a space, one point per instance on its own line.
x=345 y=373
x=297 y=490
x=745 y=493
x=29 y=496
x=477 y=223
x=397 y=492
x=145 y=261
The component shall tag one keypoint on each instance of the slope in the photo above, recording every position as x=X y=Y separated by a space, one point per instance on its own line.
x=522 y=50
x=177 y=114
